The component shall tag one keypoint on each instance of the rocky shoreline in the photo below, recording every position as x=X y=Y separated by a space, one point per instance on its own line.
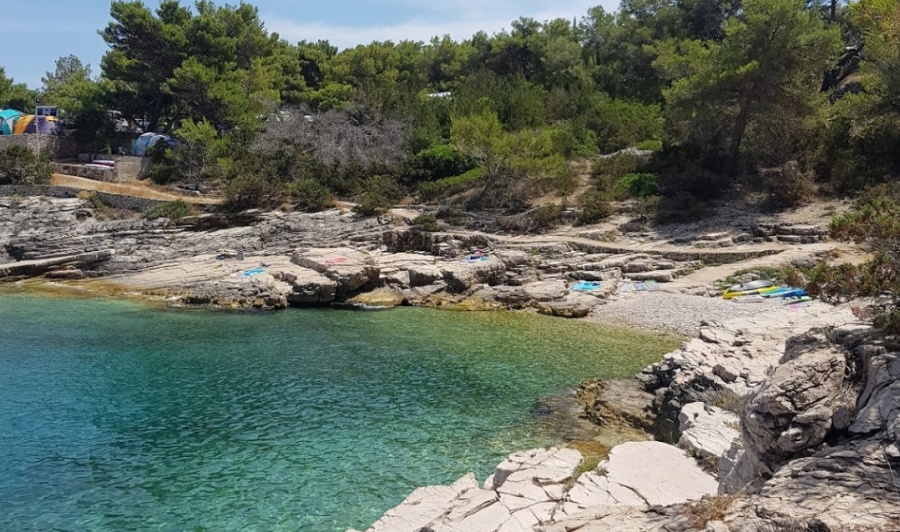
x=813 y=445
x=811 y=439
x=272 y=260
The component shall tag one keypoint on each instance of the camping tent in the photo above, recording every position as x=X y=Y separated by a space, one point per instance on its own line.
x=146 y=141
x=45 y=125
x=8 y=119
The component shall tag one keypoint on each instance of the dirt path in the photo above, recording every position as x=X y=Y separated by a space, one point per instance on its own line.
x=136 y=189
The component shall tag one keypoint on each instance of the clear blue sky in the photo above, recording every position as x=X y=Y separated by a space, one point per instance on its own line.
x=37 y=32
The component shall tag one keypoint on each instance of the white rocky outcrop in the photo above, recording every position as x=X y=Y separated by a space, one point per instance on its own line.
x=646 y=473
x=707 y=432
x=530 y=489
x=350 y=268
x=523 y=492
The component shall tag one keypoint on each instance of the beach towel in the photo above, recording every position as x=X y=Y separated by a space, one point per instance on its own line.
x=253 y=272
x=587 y=286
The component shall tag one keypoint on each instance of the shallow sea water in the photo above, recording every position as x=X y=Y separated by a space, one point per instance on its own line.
x=117 y=416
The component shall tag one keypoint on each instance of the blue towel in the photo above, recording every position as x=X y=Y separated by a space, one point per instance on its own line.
x=587 y=286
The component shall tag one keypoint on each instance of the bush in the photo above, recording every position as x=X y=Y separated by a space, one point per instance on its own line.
x=427 y=223
x=451 y=185
x=248 y=191
x=172 y=210
x=572 y=138
x=310 y=195
x=594 y=206
x=20 y=166
x=545 y=217
x=442 y=161
x=639 y=185
x=617 y=166
x=649 y=145
x=789 y=186
x=875 y=225
x=372 y=204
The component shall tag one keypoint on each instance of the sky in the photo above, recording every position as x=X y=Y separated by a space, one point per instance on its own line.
x=48 y=29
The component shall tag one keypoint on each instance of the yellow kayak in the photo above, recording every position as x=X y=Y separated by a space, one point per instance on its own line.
x=750 y=289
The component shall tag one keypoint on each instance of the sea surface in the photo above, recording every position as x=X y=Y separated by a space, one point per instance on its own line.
x=117 y=416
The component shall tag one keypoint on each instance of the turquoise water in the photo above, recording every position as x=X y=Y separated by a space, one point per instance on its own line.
x=115 y=416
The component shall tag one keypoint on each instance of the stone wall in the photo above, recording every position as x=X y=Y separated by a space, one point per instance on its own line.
x=97 y=174
x=128 y=167
x=116 y=201
x=59 y=147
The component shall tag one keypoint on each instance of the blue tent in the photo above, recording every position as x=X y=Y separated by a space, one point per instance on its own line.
x=8 y=119
x=146 y=141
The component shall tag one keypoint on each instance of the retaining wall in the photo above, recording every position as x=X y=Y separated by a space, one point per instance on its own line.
x=116 y=201
x=58 y=147
x=128 y=167
x=97 y=174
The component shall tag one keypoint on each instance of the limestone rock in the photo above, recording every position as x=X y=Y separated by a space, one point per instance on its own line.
x=706 y=431
x=793 y=409
x=349 y=268
x=462 y=276
x=575 y=305
x=423 y=506
x=545 y=291
x=380 y=297
x=641 y=473
x=524 y=491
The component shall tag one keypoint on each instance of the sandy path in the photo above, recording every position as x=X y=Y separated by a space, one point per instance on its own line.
x=136 y=189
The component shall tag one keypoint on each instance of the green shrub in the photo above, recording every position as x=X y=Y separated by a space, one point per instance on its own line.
x=20 y=166
x=172 y=210
x=790 y=186
x=874 y=224
x=310 y=195
x=442 y=161
x=427 y=223
x=620 y=124
x=608 y=171
x=573 y=138
x=451 y=185
x=594 y=206
x=372 y=204
x=545 y=217
x=639 y=185
x=649 y=145
x=248 y=191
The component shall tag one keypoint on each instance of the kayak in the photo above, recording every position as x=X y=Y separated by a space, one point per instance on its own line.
x=748 y=299
x=797 y=292
x=781 y=290
x=750 y=289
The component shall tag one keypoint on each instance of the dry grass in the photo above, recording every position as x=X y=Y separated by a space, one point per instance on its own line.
x=137 y=189
x=727 y=400
x=711 y=508
x=588 y=464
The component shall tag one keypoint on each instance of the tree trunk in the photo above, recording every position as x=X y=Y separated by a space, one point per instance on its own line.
x=737 y=135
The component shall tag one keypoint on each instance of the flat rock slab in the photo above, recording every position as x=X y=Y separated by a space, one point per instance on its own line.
x=707 y=431
x=641 y=473
x=524 y=491
x=349 y=268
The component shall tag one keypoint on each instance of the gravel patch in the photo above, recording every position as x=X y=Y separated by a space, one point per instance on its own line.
x=680 y=313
